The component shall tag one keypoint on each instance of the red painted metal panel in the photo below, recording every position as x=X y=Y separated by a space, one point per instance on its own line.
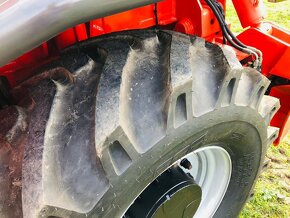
x=282 y=117
x=138 y=18
x=274 y=49
x=251 y=12
x=81 y=32
x=282 y=68
x=199 y=14
x=66 y=38
x=167 y=12
x=21 y=68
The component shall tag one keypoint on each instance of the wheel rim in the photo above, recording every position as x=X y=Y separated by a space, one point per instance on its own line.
x=211 y=170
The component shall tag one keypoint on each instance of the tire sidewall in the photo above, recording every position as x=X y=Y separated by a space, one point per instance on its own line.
x=239 y=130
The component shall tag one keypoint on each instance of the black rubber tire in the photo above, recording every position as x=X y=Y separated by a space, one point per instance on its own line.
x=102 y=122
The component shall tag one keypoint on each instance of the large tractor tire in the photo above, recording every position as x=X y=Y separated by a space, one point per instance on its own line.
x=121 y=121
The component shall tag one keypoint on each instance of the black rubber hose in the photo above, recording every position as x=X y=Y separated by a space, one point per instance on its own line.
x=223 y=26
x=227 y=32
x=220 y=10
x=231 y=37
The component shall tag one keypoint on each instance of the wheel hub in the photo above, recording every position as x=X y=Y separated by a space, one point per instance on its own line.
x=176 y=194
x=173 y=194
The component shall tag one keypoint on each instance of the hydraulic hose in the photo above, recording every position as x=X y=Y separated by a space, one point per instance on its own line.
x=231 y=38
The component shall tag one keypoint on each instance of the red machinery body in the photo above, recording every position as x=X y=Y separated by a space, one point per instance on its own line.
x=187 y=16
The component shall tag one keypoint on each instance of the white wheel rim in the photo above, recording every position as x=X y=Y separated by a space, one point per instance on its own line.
x=211 y=170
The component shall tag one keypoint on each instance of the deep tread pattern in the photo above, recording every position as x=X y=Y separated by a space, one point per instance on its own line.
x=12 y=138
x=76 y=103
x=272 y=134
x=268 y=107
x=228 y=93
x=181 y=79
x=207 y=78
x=43 y=94
x=108 y=95
x=251 y=89
x=145 y=92
x=108 y=101
x=62 y=106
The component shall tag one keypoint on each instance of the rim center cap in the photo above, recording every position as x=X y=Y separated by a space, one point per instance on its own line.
x=173 y=194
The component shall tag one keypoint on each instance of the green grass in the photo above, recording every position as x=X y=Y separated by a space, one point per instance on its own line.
x=278 y=12
x=272 y=192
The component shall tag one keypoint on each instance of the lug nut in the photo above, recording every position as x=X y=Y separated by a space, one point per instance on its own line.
x=185 y=164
